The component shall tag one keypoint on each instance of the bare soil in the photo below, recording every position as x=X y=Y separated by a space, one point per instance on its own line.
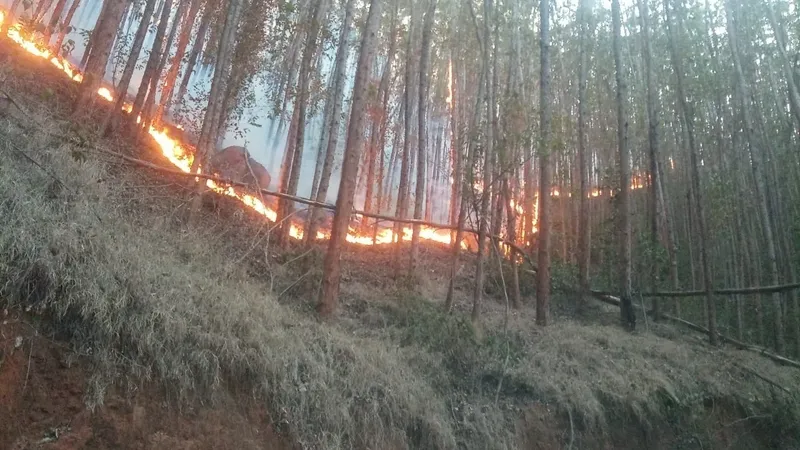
x=42 y=388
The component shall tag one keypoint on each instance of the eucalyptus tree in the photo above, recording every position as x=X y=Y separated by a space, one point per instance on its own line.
x=329 y=293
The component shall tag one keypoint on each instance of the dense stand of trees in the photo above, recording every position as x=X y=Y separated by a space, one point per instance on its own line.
x=652 y=146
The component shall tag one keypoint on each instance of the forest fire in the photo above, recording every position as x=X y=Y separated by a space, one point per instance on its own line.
x=181 y=156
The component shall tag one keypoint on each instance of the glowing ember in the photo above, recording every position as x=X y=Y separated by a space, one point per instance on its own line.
x=105 y=93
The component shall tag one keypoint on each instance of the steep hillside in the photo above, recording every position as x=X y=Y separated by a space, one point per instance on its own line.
x=125 y=327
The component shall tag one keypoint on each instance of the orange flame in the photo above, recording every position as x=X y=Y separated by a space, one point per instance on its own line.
x=181 y=155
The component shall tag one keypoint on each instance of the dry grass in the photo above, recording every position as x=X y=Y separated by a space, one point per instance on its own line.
x=151 y=298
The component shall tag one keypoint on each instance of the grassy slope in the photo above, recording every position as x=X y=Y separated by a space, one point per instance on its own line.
x=108 y=258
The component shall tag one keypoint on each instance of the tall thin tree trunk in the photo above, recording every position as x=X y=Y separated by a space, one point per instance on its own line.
x=652 y=135
x=87 y=52
x=584 y=169
x=488 y=160
x=697 y=197
x=329 y=294
x=543 y=259
x=65 y=24
x=424 y=82
x=339 y=65
x=626 y=307
x=105 y=30
x=466 y=181
x=213 y=110
x=756 y=161
x=54 y=19
x=194 y=55
x=286 y=207
x=152 y=63
x=402 y=196
x=175 y=62
x=133 y=58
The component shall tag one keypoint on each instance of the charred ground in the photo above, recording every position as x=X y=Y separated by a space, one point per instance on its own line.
x=115 y=309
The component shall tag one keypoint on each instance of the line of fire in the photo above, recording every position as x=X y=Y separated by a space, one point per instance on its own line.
x=176 y=147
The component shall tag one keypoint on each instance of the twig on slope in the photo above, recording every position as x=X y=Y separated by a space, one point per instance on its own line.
x=294 y=283
x=758 y=416
x=28 y=372
x=571 y=429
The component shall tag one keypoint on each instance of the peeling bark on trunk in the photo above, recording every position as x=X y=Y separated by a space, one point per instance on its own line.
x=328 y=299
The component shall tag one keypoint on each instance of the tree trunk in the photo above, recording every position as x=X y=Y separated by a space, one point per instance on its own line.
x=383 y=93
x=87 y=52
x=626 y=310
x=467 y=186
x=652 y=135
x=756 y=160
x=286 y=208
x=105 y=30
x=339 y=65
x=54 y=19
x=328 y=298
x=697 y=197
x=152 y=91
x=133 y=58
x=488 y=160
x=584 y=169
x=152 y=63
x=194 y=54
x=213 y=110
x=543 y=259
x=402 y=196
x=424 y=82
x=62 y=29
x=175 y=62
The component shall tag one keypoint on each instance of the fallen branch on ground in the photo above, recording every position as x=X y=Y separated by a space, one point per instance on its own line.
x=612 y=300
x=730 y=291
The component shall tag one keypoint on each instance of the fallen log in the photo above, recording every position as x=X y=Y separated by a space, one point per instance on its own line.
x=731 y=291
x=612 y=300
